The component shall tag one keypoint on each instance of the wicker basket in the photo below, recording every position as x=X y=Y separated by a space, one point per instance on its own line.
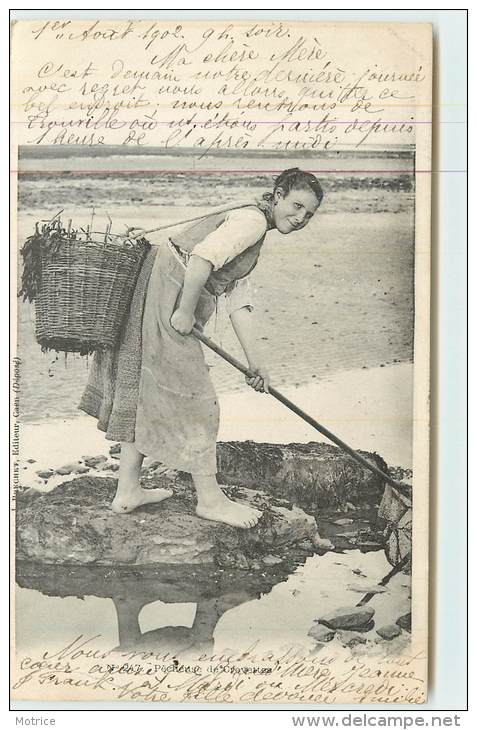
x=83 y=287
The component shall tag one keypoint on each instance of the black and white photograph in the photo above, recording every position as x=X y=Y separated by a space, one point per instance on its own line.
x=221 y=366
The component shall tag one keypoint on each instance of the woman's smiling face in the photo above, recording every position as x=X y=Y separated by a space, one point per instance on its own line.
x=294 y=210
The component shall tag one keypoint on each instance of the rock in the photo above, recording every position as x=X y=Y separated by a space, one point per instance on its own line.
x=351 y=639
x=405 y=622
x=93 y=461
x=350 y=618
x=70 y=469
x=390 y=631
x=307 y=474
x=350 y=507
x=343 y=521
x=45 y=474
x=321 y=633
x=272 y=560
x=110 y=466
x=322 y=543
x=167 y=533
x=367 y=588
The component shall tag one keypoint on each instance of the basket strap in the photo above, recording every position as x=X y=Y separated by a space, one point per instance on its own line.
x=214 y=211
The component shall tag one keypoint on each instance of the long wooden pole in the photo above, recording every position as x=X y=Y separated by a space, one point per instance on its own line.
x=299 y=412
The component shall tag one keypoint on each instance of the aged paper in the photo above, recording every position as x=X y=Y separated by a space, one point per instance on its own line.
x=118 y=124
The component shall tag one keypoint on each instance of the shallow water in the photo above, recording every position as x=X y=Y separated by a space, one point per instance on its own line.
x=279 y=618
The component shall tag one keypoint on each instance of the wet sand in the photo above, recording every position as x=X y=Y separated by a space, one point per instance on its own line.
x=357 y=406
x=334 y=318
x=333 y=297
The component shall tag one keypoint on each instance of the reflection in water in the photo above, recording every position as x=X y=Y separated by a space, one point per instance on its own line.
x=190 y=610
x=176 y=639
x=133 y=591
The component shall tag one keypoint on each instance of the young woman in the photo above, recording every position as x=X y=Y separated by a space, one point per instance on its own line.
x=169 y=399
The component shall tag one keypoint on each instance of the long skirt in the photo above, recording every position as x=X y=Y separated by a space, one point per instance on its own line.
x=154 y=389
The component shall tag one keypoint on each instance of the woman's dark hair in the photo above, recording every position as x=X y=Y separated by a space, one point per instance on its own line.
x=296 y=179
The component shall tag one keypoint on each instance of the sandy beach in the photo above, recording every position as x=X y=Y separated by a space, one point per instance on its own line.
x=368 y=409
x=332 y=299
x=334 y=318
x=354 y=404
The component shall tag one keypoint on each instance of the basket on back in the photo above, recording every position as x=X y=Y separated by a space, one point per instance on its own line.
x=81 y=287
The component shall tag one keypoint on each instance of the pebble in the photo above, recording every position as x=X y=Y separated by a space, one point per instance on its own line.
x=405 y=622
x=390 y=631
x=350 y=638
x=93 y=461
x=69 y=468
x=355 y=618
x=321 y=633
x=110 y=466
x=322 y=543
x=46 y=474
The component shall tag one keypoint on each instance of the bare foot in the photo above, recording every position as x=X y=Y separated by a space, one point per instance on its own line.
x=223 y=509
x=128 y=503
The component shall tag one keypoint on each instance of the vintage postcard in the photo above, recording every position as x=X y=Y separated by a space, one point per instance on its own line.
x=220 y=375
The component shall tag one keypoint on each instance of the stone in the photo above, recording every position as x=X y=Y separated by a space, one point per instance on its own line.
x=321 y=633
x=69 y=468
x=45 y=473
x=390 y=631
x=74 y=524
x=351 y=639
x=322 y=543
x=350 y=618
x=344 y=521
x=110 y=466
x=312 y=476
x=93 y=461
x=405 y=622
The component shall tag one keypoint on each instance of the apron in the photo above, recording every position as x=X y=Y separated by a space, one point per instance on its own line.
x=166 y=403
